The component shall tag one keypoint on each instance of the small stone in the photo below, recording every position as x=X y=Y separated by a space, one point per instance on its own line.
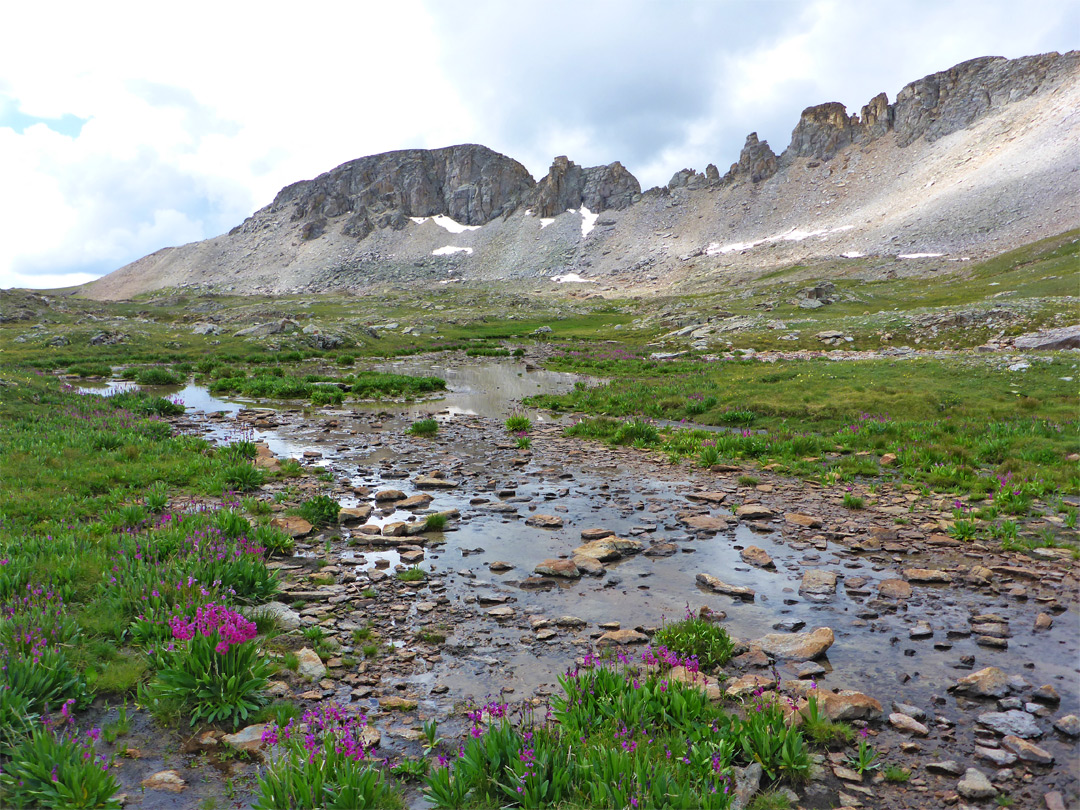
x=753 y=555
x=1054 y=800
x=997 y=756
x=908 y=724
x=433 y=482
x=247 y=740
x=165 y=780
x=499 y=565
x=894 y=589
x=847 y=774
x=1046 y=694
x=389 y=495
x=1043 y=622
x=293 y=526
x=1028 y=752
x=948 y=767
x=544 y=521
x=847 y=705
x=975 y=785
x=817 y=582
x=501 y=613
x=921 y=630
x=596 y=534
x=1068 y=725
x=570 y=621
x=311 y=666
x=719 y=586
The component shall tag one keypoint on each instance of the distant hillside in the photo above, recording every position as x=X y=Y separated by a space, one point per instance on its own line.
x=964 y=163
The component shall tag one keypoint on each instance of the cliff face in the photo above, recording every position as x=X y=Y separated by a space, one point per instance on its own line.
x=879 y=177
x=468 y=183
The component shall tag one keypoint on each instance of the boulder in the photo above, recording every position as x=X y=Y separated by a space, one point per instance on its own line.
x=894 y=589
x=796 y=646
x=287 y=619
x=754 y=511
x=558 y=568
x=817 y=582
x=753 y=555
x=292 y=525
x=847 y=705
x=908 y=724
x=1013 y=722
x=621 y=638
x=989 y=682
x=544 y=521
x=975 y=785
x=1028 y=752
x=169 y=780
x=248 y=740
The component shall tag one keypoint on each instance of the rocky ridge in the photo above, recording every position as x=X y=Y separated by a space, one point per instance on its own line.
x=972 y=159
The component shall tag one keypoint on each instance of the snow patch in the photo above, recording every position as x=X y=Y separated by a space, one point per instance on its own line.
x=794 y=235
x=450 y=250
x=545 y=221
x=572 y=278
x=921 y=255
x=588 y=221
x=446 y=223
x=852 y=254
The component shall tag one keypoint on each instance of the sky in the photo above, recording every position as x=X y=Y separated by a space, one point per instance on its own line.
x=126 y=127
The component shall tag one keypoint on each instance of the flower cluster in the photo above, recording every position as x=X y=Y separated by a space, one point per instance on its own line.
x=230 y=627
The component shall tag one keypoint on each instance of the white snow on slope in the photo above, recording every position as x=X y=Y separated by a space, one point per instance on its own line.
x=450 y=250
x=852 y=254
x=588 y=221
x=545 y=221
x=572 y=278
x=920 y=255
x=445 y=222
x=794 y=235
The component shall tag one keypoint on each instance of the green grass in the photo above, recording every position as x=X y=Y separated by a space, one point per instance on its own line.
x=695 y=637
x=412 y=574
x=424 y=427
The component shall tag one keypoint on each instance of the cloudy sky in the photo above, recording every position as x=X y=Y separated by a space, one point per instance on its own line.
x=127 y=127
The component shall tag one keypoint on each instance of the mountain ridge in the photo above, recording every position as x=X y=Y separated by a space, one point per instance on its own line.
x=1001 y=134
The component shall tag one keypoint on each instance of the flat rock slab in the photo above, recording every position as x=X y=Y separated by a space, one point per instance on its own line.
x=1027 y=751
x=988 y=682
x=397 y=704
x=544 y=521
x=621 y=638
x=975 y=785
x=847 y=705
x=706 y=523
x=707 y=497
x=754 y=511
x=817 y=582
x=894 y=589
x=418 y=501
x=807 y=521
x=596 y=534
x=719 y=586
x=389 y=495
x=501 y=613
x=433 y=482
x=796 y=646
x=248 y=740
x=753 y=555
x=927 y=575
x=1011 y=723
x=351 y=515
x=558 y=568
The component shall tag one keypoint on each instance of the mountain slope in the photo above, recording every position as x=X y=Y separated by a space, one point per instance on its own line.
x=966 y=163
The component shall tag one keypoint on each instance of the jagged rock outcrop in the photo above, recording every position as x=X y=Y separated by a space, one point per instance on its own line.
x=757 y=161
x=822 y=131
x=468 y=183
x=569 y=186
x=945 y=102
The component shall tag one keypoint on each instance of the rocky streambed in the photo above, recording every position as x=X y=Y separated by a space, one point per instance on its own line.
x=959 y=659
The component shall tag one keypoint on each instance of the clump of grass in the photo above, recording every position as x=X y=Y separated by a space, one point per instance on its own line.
x=320 y=510
x=747 y=481
x=696 y=637
x=770 y=800
x=896 y=774
x=326 y=395
x=518 y=422
x=412 y=574
x=291 y=661
x=424 y=427
x=280 y=712
x=852 y=501
x=435 y=522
